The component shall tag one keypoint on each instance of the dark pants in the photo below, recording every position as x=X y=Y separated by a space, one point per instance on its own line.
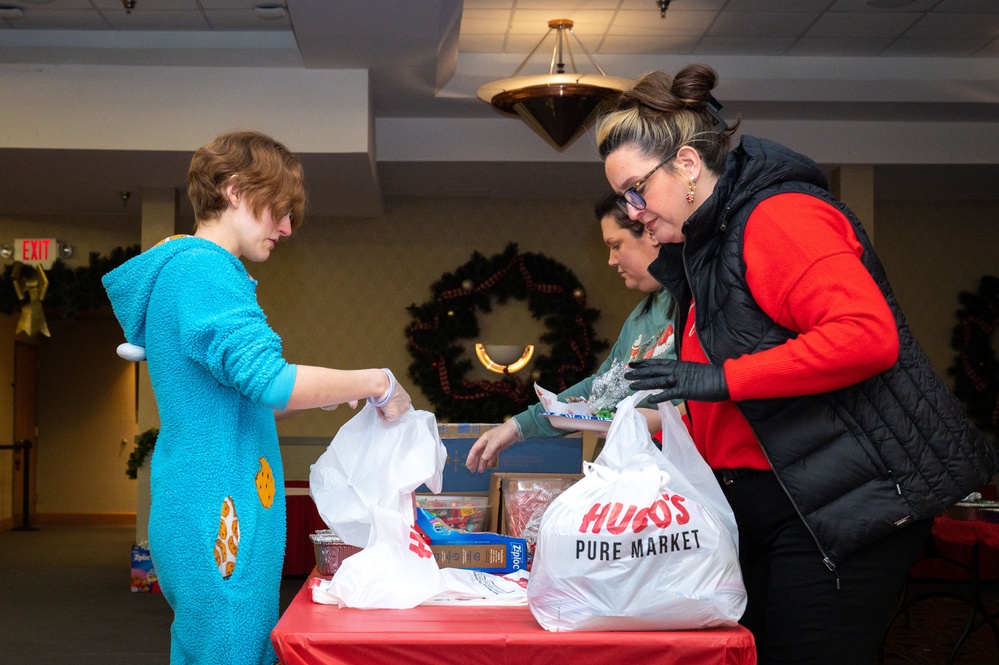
x=798 y=610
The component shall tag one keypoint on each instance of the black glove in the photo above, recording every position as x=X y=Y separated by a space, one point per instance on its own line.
x=679 y=380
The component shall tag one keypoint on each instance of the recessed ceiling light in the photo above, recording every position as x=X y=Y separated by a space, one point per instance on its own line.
x=888 y=4
x=10 y=12
x=270 y=12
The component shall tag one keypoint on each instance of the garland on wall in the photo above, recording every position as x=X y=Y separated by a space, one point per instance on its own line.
x=553 y=294
x=975 y=369
x=70 y=290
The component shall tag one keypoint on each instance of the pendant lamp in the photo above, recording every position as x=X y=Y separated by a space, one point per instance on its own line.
x=558 y=105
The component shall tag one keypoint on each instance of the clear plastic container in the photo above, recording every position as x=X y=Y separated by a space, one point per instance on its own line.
x=458 y=511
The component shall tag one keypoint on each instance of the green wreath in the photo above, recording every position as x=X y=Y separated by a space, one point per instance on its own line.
x=71 y=290
x=975 y=369
x=552 y=293
x=144 y=444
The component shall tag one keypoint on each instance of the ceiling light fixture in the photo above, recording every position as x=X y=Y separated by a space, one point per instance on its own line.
x=557 y=105
x=129 y=5
x=663 y=6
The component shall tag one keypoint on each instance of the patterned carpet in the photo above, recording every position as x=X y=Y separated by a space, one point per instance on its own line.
x=926 y=632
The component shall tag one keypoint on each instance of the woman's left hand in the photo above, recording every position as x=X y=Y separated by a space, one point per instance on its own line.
x=678 y=379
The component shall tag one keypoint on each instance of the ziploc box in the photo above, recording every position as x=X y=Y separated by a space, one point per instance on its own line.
x=485 y=552
x=556 y=455
x=144 y=577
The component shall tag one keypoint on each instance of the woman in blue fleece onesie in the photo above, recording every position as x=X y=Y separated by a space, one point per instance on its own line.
x=217 y=517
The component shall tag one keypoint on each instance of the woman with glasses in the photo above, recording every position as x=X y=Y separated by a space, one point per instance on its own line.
x=832 y=437
x=648 y=332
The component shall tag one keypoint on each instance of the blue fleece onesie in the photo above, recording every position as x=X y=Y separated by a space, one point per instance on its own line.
x=214 y=362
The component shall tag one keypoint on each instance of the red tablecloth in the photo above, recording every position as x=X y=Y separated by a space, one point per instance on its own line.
x=952 y=559
x=966 y=532
x=313 y=634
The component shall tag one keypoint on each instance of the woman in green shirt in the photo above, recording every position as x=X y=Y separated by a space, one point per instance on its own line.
x=647 y=333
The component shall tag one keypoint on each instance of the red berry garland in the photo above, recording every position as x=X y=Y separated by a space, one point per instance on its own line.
x=553 y=293
x=975 y=369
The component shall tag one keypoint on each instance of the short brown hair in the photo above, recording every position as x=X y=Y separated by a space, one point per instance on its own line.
x=268 y=174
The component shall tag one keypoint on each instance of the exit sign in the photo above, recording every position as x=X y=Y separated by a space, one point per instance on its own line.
x=36 y=251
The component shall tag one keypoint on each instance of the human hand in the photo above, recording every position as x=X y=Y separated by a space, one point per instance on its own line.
x=489 y=445
x=394 y=402
x=398 y=404
x=700 y=382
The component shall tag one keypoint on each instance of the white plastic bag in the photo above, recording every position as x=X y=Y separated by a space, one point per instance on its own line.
x=640 y=543
x=397 y=571
x=373 y=463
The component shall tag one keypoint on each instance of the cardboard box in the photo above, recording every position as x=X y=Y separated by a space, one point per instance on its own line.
x=497 y=518
x=486 y=552
x=559 y=455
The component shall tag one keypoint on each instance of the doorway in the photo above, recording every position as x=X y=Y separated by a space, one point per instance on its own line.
x=25 y=430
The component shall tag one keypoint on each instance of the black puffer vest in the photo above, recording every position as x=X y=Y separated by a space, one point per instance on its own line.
x=857 y=462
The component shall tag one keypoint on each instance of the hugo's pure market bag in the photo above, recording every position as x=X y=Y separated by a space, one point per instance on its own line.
x=638 y=543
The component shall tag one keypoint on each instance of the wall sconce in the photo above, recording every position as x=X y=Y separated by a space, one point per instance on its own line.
x=65 y=250
x=6 y=251
x=504 y=358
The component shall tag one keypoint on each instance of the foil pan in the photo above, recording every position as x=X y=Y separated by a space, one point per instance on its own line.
x=985 y=511
x=330 y=551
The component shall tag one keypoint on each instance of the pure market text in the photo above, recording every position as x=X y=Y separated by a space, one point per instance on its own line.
x=617 y=519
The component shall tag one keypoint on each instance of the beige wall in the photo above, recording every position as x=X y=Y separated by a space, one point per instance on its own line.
x=338 y=292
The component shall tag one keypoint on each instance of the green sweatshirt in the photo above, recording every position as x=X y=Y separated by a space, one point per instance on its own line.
x=648 y=335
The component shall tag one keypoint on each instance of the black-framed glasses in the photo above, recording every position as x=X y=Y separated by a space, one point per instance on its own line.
x=631 y=197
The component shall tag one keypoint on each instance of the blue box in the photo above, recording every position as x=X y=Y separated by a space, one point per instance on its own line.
x=485 y=552
x=555 y=455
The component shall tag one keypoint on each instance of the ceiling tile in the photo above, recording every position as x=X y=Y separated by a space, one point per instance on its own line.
x=648 y=45
x=862 y=6
x=974 y=6
x=745 y=45
x=783 y=6
x=848 y=25
x=675 y=23
x=484 y=21
x=761 y=24
x=155 y=19
x=244 y=19
x=472 y=43
x=142 y=7
x=956 y=26
x=839 y=46
x=530 y=21
x=60 y=19
x=570 y=5
x=940 y=48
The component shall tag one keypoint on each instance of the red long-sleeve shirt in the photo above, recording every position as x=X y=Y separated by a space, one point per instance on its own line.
x=803 y=268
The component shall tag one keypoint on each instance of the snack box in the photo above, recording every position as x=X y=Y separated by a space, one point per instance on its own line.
x=485 y=552
x=464 y=512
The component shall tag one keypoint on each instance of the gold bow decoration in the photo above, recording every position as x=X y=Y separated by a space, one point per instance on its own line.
x=31 y=285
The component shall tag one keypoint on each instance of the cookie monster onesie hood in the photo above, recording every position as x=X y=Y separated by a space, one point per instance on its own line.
x=217 y=517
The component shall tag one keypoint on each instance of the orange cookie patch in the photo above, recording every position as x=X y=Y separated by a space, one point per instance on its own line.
x=265 y=484
x=227 y=544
